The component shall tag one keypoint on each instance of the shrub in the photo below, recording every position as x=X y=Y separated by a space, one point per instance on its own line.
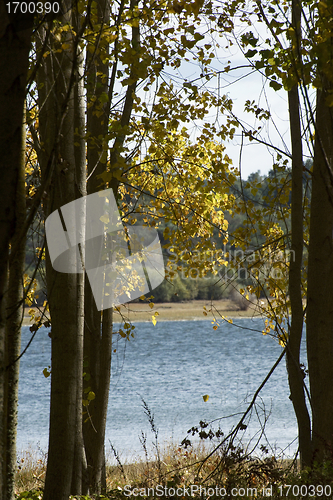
x=240 y=300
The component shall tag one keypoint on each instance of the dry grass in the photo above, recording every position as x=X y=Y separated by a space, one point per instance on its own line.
x=189 y=310
x=31 y=468
x=177 y=311
x=177 y=468
x=176 y=465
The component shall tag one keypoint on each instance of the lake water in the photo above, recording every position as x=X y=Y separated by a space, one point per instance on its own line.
x=171 y=366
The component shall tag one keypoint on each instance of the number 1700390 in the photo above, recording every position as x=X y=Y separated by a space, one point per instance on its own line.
x=311 y=490
x=33 y=7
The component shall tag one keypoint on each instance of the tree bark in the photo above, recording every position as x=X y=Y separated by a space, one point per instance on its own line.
x=14 y=61
x=295 y=374
x=320 y=264
x=98 y=337
x=80 y=462
x=15 y=311
x=98 y=331
x=320 y=278
x=58 y=117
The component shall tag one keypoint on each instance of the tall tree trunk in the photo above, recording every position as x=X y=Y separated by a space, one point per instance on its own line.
x=98 y=328
x=98 y=338
x=295 y=374
x=80 y=463
x=319 y=326
x=58 y=117
x=14 y=61
x=15 y=311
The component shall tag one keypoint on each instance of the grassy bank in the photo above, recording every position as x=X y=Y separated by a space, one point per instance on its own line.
x=189 y=310
x=180 y=473
x=174 y=472
x=177 y=311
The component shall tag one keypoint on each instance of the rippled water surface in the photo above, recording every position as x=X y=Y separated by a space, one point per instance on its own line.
x=171 y=366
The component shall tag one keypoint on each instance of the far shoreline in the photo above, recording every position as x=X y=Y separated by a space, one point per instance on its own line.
x=191 y=310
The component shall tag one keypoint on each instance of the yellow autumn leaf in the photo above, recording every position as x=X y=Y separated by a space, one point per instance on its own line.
x=91 y=396
x=205 y=398
x=153 y=318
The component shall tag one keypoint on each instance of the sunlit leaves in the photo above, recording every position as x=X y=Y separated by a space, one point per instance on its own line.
x=164 y=174
x=184 y=178
x=285 y=57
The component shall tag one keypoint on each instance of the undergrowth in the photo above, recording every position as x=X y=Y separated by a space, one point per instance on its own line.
x=215 y=467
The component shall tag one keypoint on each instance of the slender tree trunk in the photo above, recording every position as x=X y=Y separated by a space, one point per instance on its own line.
x=99 y=368
x=319 y=326
x=98 y=332
x=14 y=50
x=80 y=463
x=295 y=373
x=58 y=117
x=98 y=341
x=15 y=311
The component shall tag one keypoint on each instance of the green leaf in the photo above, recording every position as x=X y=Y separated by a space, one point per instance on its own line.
x=104 y=97
x=266 y=53
x=259 y=64
x=275 y=85
x=198 y=36
x=250 y=53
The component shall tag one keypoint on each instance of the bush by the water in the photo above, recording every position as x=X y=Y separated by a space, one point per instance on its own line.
x=181 y=289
